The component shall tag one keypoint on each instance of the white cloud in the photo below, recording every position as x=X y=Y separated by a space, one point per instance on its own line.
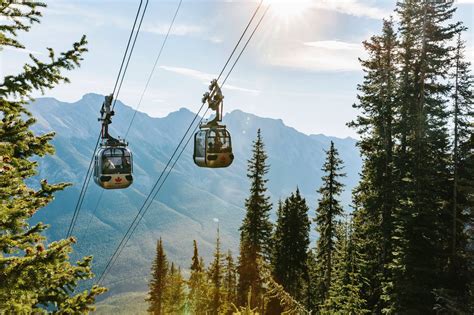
x=328 y=55
x=205 y=78
x=465 y=1
x=177 y=29
x=193 y=30
x=352 y=7
x=24 y=50
x=195 y=74
x=334 y=45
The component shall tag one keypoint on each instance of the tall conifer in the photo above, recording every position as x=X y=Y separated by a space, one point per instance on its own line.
x=345 y=290
x=174 y=295
x=158 y=282
x=215 y=276
x=290 y=246
x=34 y=276
x=327 y=215
x=455 y=295
x=377 y=190
x=422 y=157
x=255 y=232
x=197 y=284
x=229 y=283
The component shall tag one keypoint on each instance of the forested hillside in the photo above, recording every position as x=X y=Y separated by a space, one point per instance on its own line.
x=192 y=197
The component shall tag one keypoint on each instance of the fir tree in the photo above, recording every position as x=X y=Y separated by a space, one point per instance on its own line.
x=197 y=284
x=422 y=157
x=35 y=276
x=290 y=246
x=174 y=296
x=229 y=284
x=455 y=295
x=255 y=232
x=327 y=213
x=376 y=194
x=215 y=276
x=158 y=282
x=344 y=292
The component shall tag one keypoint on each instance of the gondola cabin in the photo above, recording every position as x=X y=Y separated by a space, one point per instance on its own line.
x=213 y=147
x=113 y=167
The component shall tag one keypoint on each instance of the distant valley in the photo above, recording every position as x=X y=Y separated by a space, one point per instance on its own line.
x=191 y=201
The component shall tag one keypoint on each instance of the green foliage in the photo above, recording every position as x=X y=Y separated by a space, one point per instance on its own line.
x=255 y=232
x=377 y=189
x=274 y=291
x=34 y=276
x=410 y=257
x=328 y=212
x=290 y=246
x=159 y=281
x=215 y=275
x=174 y=294
x=344 y=291
x=456 y=295
x=229 y=285
x=198 y=294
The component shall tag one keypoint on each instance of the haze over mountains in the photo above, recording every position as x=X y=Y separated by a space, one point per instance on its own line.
x=192 y=200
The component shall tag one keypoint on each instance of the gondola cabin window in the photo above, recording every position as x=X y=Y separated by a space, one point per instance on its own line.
x=116 y=161
x=218 y=141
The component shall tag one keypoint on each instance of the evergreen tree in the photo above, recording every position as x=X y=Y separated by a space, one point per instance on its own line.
x=229 y=284
x=421 y=159
x=197 y=284
x=255 y=232
x=215 y=275
x=327 y=213
x=158 y=282
x=344 y=292
x=312 y=294
x=35 y=276
x=455 y=295
x=377 y=190
x=174 y=296
x=290 y=246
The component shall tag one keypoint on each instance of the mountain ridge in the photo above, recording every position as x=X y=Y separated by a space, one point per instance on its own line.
x=192 y=197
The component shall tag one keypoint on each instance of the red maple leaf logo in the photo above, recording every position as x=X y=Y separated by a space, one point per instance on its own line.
x=118 y=179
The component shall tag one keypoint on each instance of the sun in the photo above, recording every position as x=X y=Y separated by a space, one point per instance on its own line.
x=288 y=9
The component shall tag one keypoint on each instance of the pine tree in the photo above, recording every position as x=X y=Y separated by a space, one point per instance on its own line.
x=422 y=157
x=255 y=232
x=34 y=276
x=344 y=292
x=174 y=299
x=215 y=276
x=455 y=296
x=312 y=294
x=197 y=284
x=158 y=282
x=327 y=214
x=377 y=190
x=229 y=285
x=290 y=246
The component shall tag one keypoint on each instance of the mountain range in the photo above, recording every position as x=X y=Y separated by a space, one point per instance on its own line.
x=192 y=202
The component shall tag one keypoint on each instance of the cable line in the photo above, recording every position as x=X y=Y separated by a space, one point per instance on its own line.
x=154 y=67
x=142 y=95
x=147 y=203
x=130 y=55
x=245 y=46
x=86 y=182
x=240 y=39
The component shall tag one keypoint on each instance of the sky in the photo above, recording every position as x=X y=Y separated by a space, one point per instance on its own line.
x=301 y=65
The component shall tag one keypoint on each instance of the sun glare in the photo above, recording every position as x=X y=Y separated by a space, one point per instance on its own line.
x=288 y=9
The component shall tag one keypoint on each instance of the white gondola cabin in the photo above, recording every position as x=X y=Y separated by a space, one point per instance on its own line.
x=113 y=167
x=213 y=147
